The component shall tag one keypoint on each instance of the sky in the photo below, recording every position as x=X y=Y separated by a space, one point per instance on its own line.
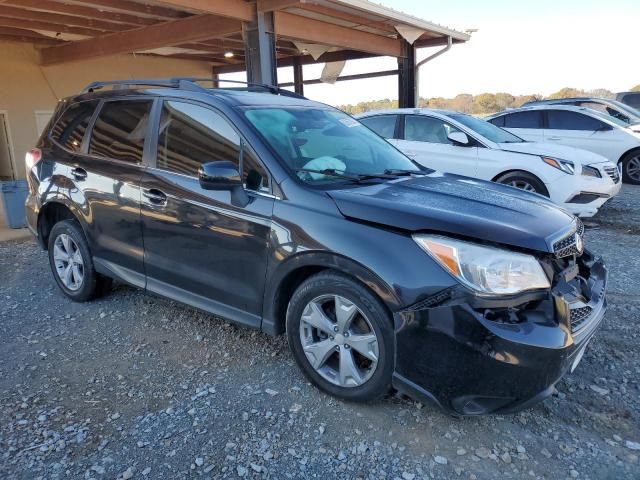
x=521 y=47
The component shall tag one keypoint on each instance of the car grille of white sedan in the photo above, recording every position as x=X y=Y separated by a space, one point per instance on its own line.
x=614 y=173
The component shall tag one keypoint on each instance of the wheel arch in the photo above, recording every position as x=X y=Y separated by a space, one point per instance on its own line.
x=519 y=170
x=631 y=150
x=53 y=212
x=295 y=270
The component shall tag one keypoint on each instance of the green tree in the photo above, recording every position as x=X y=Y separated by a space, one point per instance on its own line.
x=566 y=93
x=636 y=88
x=485 y=103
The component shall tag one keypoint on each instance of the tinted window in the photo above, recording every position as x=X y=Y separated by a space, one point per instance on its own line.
x=527 y=119
x=191 y=135
x=69 y=130
x=487 y=130
x=498 y=121
x=565 y=120
x=632 y=99
x=120 y=130
x=383 y=125
x=427 y=129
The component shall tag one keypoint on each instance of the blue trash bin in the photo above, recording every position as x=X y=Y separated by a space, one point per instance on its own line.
x=14 y=194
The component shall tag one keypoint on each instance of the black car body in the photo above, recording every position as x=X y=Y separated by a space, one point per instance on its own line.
x=242 y=253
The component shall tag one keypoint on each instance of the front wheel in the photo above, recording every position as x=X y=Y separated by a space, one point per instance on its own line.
x=72 y=264
x=341 y=336
x=524 y=181
x=631 y=167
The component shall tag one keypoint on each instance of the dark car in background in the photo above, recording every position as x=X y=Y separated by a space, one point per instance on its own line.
x=289 y=216
x=629 y=98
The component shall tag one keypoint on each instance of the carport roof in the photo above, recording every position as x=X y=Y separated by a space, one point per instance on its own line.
x=206 y=30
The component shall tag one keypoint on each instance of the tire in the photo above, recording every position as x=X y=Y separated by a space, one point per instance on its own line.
x=67 y=240
x=631 y=168
x=373 y=358
x=524 y=181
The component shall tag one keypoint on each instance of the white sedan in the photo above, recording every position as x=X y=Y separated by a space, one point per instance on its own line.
x=578 y=180
x=578 y=127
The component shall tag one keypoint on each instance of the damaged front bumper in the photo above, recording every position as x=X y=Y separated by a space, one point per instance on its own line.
x=472 y=355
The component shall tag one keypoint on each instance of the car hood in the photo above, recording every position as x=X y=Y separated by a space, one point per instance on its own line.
x=456 y=205
x=563 y=152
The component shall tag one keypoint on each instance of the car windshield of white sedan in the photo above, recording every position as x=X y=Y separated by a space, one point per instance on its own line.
x=486 y=129
x=323 y=145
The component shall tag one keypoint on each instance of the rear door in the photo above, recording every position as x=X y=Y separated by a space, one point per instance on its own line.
x=200 y=247
x=527 y=124
x=106 y=172
x=578 y=130
x=425 y=139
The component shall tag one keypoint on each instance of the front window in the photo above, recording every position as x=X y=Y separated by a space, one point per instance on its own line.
x=427 y=129
x=486 y=129
x=325 y=146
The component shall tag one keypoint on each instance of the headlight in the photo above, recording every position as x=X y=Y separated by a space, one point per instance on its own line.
x=487 y=270
x=565 y=165
x=590 y=172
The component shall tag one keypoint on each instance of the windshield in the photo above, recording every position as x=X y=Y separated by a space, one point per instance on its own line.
x=486 y=129
x=314 y=140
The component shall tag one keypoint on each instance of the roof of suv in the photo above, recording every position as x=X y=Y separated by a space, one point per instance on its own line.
x=235 y=96
x=548 y=106
x=416 y=111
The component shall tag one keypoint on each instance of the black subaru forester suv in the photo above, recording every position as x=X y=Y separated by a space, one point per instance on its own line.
x=286 y=215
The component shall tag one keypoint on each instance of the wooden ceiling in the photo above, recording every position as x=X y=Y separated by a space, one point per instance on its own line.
x=203 y=30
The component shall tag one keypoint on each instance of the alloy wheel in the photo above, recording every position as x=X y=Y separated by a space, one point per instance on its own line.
x=633 y=168
x=523 y=185
x=339 y=341
x=68 y=261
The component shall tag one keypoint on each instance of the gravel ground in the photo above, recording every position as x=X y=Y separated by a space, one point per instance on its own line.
x=133 y=386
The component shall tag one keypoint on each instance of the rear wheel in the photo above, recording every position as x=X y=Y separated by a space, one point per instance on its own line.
x=524 y=181
x=631 y=167
x=72 y=265
x=341 y=336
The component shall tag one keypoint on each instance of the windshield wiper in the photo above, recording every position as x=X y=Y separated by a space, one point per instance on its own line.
x=356 y=177
x=396 y=172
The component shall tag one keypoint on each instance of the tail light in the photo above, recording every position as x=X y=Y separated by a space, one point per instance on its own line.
x=32 y=158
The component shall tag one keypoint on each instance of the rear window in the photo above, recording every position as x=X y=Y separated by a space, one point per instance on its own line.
x=70 y=128
x=527 y=119
x=383 y=125
x=120 y=130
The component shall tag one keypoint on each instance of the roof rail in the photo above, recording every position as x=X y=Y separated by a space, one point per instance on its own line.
x=189 y=83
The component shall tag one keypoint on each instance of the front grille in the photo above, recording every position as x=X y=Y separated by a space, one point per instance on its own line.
x=568 y=246
x=578 y=316
x=614 y=173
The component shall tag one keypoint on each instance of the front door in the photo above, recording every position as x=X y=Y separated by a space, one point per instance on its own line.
x=200 y=247
x=426 y=141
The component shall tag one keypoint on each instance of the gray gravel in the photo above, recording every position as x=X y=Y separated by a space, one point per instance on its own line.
x=133 y=386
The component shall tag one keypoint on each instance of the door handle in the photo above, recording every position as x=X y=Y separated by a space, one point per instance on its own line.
x=79 y=173
x=554 y=138
x=155 y=196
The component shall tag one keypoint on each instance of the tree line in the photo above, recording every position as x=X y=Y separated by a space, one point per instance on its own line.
x=482 y=104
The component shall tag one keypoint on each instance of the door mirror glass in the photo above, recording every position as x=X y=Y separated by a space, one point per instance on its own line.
x=459 y=138
x=221 y=175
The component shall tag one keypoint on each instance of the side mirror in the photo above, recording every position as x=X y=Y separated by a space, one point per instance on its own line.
x=223 y=175
x=459 y=138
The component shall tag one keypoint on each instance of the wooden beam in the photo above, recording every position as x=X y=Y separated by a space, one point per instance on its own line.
x=80 y=11
x=331 y=12
x=272 y=5
x=317 y=31
x=42 y=40
x=175 y=32
x=237 y=9
x=142 y=9
x=434 y=42
x=357 y=76
x=48 y=27
x=13 y=12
